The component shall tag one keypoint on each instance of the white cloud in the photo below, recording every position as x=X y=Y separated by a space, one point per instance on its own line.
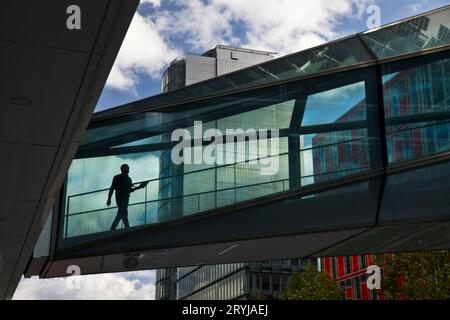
x=287 y=26
x=203 y=24
x=144 y=51
x=284 y=26
x=137 y=285
x=418 y=6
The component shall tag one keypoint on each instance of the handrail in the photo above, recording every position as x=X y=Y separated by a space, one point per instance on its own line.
x=180 y=197
x=225 y=165
x=403 y=121
x=220 y=190
x=298 y=192
x=433 y=117
x=314 y=188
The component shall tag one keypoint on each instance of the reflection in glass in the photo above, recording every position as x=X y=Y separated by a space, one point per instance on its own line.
x=346 y=103
x=417 y=109
x=339 y=152
x=416 y=34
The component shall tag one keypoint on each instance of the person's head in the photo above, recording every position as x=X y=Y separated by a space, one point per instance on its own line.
x=125 y=168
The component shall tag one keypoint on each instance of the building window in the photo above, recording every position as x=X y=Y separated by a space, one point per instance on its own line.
x=276 y=264
x=286 y=264
x=275 y=282
x=284 y=281
x=266 y=264
x=255 y=281
x=333 y=264
x=362 y=262
x=358 y=288
x=444 y=34
x=265 y=279
x=374 y=294
x=348 y=265
x=364 y=278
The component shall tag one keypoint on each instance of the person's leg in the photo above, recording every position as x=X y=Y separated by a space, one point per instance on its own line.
x=116 y=219
x=125 y=215
x=119 y=215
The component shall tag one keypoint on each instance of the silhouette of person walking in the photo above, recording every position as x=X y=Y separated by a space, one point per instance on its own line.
x=123 y=186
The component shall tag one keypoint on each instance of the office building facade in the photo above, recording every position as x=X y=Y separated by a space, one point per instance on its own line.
x=250 y=280
x=350 y=272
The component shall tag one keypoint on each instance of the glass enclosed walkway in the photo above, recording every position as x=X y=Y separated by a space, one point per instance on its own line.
x=366 y=117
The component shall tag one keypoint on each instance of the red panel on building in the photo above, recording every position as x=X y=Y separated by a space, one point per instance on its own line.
x=354 y=283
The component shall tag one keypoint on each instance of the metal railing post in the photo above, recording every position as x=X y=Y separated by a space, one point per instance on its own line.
x=67 y=217
x=235 y=184
x=145 y=205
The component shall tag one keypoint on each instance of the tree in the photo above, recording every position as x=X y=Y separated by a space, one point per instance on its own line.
x=257 y=296
x=312 y=285
x=415 y=276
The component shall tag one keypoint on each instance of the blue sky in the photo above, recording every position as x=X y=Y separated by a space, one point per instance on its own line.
x=163 y=30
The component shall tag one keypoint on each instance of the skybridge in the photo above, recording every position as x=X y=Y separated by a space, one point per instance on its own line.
x=363 y=154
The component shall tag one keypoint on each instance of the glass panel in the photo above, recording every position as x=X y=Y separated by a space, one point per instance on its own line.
x=126 y=125
x=260 y=148
x=417 y=109
x=146 y=141
x=330 y=56
x=237 y=109
x=84 y=175
x=346 y=103
x=101 y=220
x=423 y=32
x=337 y=126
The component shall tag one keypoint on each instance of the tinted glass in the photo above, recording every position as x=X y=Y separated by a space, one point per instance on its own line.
x=417 y=108
x=417 y=34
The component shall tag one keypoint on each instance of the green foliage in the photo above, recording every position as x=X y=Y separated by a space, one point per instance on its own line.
x=257 y=296
x=312 y=285
x=415 y=276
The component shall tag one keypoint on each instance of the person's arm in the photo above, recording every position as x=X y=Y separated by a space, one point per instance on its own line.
x=133 y=189
x=140 y=186
x=111 y=191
